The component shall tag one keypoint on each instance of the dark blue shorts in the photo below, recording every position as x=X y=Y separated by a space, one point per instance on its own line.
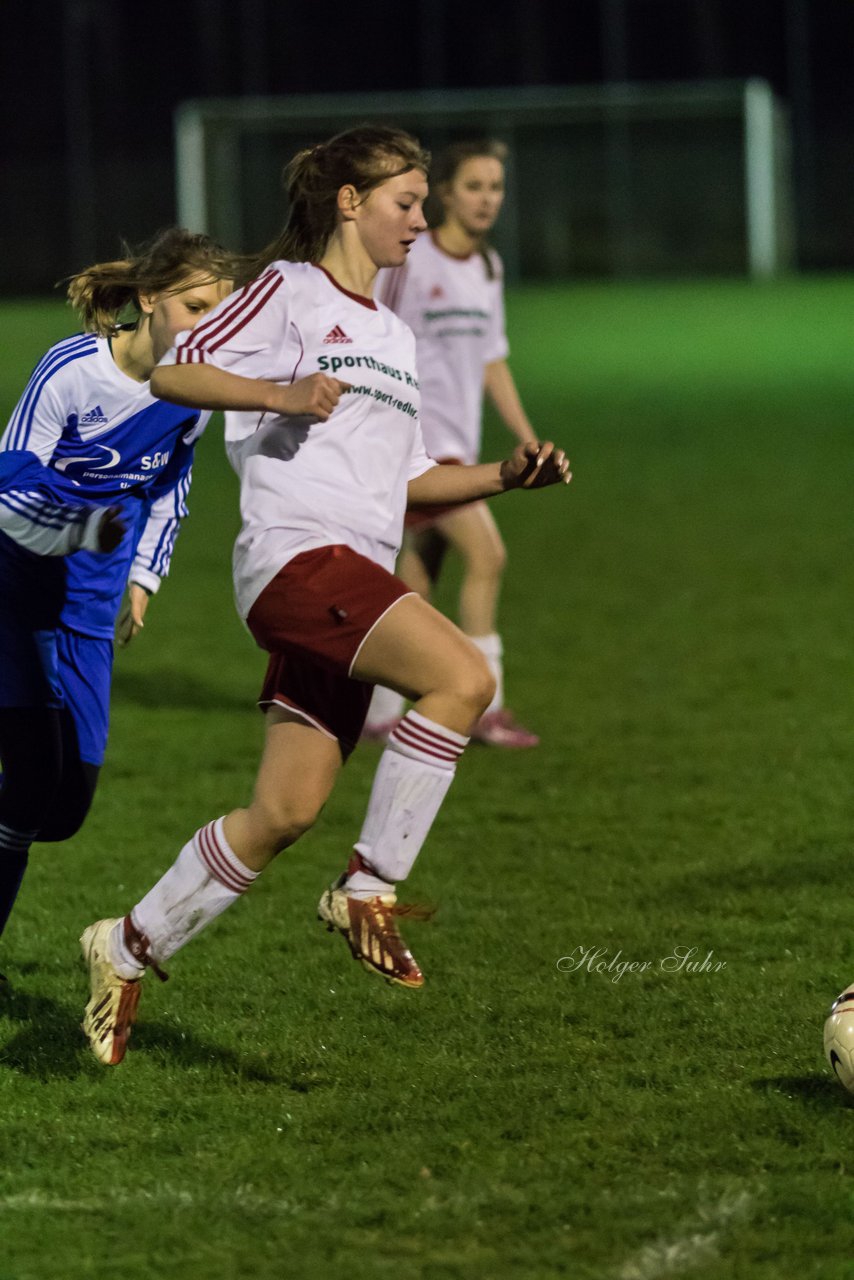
x=60 y=668
x=29 y=666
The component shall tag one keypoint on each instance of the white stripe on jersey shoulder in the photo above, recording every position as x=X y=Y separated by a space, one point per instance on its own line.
x=56 y=358
x=76 y=342
x=81 y=344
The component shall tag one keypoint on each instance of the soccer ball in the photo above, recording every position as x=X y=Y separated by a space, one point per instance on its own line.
x=839 y=1038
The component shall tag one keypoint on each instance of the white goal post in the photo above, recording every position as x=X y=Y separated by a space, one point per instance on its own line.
x=620 y=179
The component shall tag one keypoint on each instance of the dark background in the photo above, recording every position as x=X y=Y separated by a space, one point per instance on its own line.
x=89 y=88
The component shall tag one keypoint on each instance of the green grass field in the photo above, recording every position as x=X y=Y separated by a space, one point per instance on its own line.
x=678 y=627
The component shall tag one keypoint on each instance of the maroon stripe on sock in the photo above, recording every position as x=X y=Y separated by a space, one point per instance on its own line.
x=430 y=744
x=404 y=739
x=242 y=876
x=208 y=856
x=429 y=736
x=434 y=733
x=217 y=863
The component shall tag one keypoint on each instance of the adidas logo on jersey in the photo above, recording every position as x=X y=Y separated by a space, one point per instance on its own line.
x=92 y=417
x=337 y=334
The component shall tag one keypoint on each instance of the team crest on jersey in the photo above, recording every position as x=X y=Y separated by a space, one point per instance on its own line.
x=337 y=334
x=104 y=460
x=93 y=417
x=437 y=291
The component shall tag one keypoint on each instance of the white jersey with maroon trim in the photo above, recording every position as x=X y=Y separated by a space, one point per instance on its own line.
x=305 y=483
x=457 y=315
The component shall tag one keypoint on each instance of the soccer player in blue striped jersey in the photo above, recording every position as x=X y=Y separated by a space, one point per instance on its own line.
x=94 y=474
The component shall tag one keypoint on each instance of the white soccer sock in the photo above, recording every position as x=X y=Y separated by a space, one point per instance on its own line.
x=386 y=706
x=412 y=779
x=493 y=650
x=205 y=878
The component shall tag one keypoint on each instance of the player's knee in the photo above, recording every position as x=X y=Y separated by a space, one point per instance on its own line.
x=70 y=805
x=485 y=691
x=28 y=807
x=493 y=557
x=289 y=819
x=476 y=683
x=487 y=560
x=499 y=558
x=63 y=826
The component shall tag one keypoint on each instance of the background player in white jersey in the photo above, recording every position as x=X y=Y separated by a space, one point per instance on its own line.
x=450 y=293
x=321 y=396
x=94 y=473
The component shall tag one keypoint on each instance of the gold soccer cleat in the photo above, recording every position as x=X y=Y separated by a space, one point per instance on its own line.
x=369 y=926
x=111 y=1011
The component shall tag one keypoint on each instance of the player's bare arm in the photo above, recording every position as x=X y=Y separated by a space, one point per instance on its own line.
x=132 y=615
x=205 y=386
x=531 y=465
x=501 y=388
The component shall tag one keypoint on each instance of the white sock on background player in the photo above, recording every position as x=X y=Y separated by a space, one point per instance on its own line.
x=205 y=879
x=412 y=779
x=385 y=709
x=493 y=650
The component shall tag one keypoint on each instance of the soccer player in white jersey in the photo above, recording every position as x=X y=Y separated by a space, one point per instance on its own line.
x=94 y=473
x=450 y=292
x=320 y=390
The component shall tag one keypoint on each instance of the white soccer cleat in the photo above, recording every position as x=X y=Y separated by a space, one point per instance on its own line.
x=111 y=1011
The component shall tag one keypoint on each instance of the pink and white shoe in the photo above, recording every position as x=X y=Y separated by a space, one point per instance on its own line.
x=502 y=729
x=379 y=731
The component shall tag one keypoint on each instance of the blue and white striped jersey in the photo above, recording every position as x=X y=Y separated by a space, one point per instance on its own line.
x=84 y=436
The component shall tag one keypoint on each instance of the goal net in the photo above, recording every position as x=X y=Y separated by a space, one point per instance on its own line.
x=617 y=180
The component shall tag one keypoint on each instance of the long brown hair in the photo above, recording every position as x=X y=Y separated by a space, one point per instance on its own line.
x=103 y=292
x=447 y=166
x=363 y=157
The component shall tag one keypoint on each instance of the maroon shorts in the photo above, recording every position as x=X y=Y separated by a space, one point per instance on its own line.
x=312 y=619
x=418 y=518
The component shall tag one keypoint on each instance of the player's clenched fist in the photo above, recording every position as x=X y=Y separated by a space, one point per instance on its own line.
x=314 y=397
x=534 y=465
x=111 y=530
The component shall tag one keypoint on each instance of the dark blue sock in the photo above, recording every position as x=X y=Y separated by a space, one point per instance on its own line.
x=14 y=852
x=12 y=868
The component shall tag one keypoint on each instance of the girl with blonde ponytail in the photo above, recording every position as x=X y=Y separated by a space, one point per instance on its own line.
x=94 y=473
